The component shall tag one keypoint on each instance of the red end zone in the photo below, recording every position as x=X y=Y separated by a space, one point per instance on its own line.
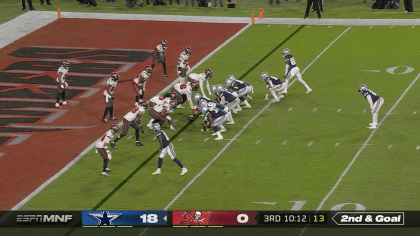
x=36 y=139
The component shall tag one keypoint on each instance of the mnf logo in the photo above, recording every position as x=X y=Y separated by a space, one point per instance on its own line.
x=44 y=218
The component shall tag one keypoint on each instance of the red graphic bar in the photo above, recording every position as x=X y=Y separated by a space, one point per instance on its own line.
x=214 y=218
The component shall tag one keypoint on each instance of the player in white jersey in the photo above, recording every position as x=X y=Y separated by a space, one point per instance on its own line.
x=375 y=103
x=200 y=78
x=102 y=148
x=139 y=83
x=159 y=55
x=183 y=65
x=292 y=69
x=274 y=85
x=109 y=95
x=160 y=113
x=62 y=84
x=182 y=92
x=128 y=120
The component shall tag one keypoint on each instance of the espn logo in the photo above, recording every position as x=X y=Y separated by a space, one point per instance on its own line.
x=44 y=218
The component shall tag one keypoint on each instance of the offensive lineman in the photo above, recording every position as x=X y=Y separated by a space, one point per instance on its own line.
x=109 y=95
x=216 y=118
x=139 y=83
x=241 y=88
x=159 y=55
x=227 y=97
x=292 y=69
x=128 y=119
x=102 y=148
x=182 y=65
x=166 y=147
x=375 y=103
x=62 y=84
x=274 y=85
x=200 y=77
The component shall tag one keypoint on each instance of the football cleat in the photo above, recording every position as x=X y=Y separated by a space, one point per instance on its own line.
x=249 y=97
x=180 y=106
x=113 y=118
x=139 y=144
x=113 y=145
x=105 y=120
x=150 y=126
x=219 y=138
x=372 y=127
x=222 y=130
x=57 y=105
x=64 y=103
x=108 y=170
x=157 y=172
x=184 y=170
x=309 y=90
x=166 y=75
x=104 y=174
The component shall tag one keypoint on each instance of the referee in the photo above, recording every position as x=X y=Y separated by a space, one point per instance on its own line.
x=308 y=7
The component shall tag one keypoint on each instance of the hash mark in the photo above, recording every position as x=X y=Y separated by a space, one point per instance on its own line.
x=392 y=26
x=154 y=138
x=205 y=140
x=329 y=26
x=371 y=27
x=338 y=110
x=363 y=111
x=129 y=136
x=337 y=144
x=310 y=143
x=418 y=147
x=284 y=143
x=180 y=139
x=309 y=26
x=414 y=112
x=290 y=109
x=268 y=25
x=314 y=110
x=413 y=26
x=290 y=25
x=258 y=141
x=390 y=146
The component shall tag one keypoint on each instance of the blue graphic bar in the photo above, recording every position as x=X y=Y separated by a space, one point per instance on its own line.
x=126 y=218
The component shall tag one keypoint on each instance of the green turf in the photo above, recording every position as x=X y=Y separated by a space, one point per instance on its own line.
x=333 y=9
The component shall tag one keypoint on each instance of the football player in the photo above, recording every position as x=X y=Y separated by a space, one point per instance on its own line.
x=241 y=88
x=200 y=78
x=62 y=84
x=182 y=92
x=182 y=65
x=102 y=148
x=216 y=118
x=166 y=147
x=210 y=102
x=160 y=56
x=230 y=98
x=375 y=103
x=274 y=85
x=109 y=95
x=139 y=83
x=161 y=112
x=128 y=119
x=292 y=69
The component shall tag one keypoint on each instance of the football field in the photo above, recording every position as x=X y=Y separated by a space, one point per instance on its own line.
x=307 y=152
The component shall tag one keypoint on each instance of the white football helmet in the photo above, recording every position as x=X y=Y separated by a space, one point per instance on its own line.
x=362 y=88
x=219 y=89
x=156 y=127
x=264 y=76
x=196 y=97
x=285 y=52
x=204 y=110
x=229 y=80
x=203 y=104
x=213 y=89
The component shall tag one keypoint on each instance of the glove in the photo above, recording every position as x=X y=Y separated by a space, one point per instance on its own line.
x=266 y=97
x=195 y=111
x=160 y=149
x=108 y=153
x=172 y=128
x=142 y=130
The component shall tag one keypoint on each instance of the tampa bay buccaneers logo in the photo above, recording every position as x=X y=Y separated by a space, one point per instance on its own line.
x=195 y=218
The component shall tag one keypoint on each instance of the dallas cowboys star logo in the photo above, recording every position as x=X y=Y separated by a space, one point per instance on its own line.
x=105 y=218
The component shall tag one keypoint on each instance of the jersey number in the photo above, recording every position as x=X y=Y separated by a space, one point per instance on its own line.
x=183 y=86
x=135 y=109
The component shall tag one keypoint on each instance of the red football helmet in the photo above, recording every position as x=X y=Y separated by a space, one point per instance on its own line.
x=208 y=73
x=164 y=43
x=173 y=96
x=114 y=127
x=148 y=69
x=65 y=63
x=194 y=86
x=143 y=103
x=188 y=50
x=115 y=76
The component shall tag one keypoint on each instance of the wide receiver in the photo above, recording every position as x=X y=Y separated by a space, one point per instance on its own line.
x=102 y=148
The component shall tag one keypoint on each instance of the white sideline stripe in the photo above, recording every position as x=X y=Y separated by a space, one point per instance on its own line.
x=240 y=132
x=364 y=145
x=70 y=164
x=360 y=151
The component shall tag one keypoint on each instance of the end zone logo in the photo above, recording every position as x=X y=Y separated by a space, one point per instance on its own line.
x=44 y=218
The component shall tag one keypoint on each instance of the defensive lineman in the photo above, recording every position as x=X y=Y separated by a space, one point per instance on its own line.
x=102 y=148
x=166 y=147
x=274 y=85
x=183 y=65
x=375 y=103
x=200 y=78
x=128 y=119
x=159 y=55
x=182 y=91
x=62 y=84
x=292 y=69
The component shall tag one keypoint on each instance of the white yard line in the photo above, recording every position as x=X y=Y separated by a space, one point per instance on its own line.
x=70 y=164
x=361 y=149
x=242 y=130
